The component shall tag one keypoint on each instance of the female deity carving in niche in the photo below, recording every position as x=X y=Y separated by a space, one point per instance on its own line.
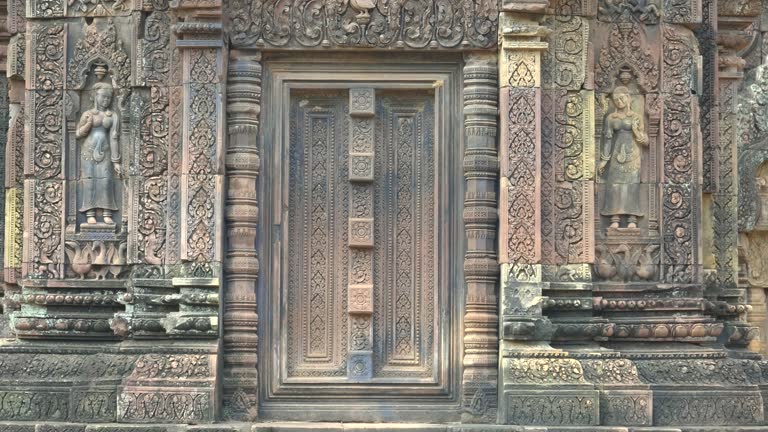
x=99 y=156
x=620 y=156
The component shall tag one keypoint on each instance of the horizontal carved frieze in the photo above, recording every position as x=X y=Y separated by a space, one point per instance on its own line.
x=363 y=24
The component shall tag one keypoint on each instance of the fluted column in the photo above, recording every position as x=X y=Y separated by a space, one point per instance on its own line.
x=242 y=217
x=480 y=218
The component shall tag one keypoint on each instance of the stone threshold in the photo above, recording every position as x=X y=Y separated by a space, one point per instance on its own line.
x=349 y=427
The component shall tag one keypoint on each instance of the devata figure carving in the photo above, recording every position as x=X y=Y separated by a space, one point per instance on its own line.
x=99 y=156
x=620 y=156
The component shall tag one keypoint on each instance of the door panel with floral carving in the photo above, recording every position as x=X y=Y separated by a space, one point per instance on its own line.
x=359 y=300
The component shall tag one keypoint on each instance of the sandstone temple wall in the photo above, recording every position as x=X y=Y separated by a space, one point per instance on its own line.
x=228 y=214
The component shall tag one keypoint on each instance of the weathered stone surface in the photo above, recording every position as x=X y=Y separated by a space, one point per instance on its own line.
x=422 y=215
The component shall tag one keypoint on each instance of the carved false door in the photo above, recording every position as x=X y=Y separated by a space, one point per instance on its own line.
x=358 y=302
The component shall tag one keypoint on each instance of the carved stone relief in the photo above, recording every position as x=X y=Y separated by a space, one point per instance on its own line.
x=316 y=344
x=132 y=212
x=585 y=8
x=368 y=169
x=620 y=166
x=624 y=54
x=626 y=207
x=680 y=157
x=202 y=129
x=643 y=11
x=98 y=75
x=480 y=376
x=381 y=24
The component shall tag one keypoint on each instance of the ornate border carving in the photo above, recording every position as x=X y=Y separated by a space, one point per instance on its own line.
x=418 y=24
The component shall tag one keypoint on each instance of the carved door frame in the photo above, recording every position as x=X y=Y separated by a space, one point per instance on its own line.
x=441 y=72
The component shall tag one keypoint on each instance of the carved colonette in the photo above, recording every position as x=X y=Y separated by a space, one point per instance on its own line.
x=242 y=215
x=480 y=393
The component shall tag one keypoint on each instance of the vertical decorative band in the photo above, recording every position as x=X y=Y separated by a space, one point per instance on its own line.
x=360 y=295
x=201 y=159
x=241 y=265
x=44 y=191
x=481 y=162
x=520 y=149
x=524 y=328
x=680 y=219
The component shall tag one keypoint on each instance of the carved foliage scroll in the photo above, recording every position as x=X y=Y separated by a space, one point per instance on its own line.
x=567 y=146
x=564 y=63
x=585 y=8
x=683 y=11
x=725 y=209
x=152 y=142
x=77 y=8
x=201 y=155
x=175 y=144
x=567 y=176
x=415 y=24
x=679 y=209
x=47 y=71
x=520 y=220
x=44 y=196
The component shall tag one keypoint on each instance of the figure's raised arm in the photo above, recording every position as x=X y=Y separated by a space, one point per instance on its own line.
x=638 y=130
x=85 y=125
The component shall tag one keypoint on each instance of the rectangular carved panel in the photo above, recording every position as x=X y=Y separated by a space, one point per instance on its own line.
x=316 y=198
x=361 y=263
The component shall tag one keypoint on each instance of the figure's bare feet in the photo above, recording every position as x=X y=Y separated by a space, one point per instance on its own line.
x=108 y=220
x=91 y=219
x=614 y=225
x=631 y=225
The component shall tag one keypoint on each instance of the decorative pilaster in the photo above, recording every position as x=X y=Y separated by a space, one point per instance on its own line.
x=532 y=392
x=241 y=214
x=520 y=164
x=44 y=189
x=201 y=159
x=568 y=178
x=733 y=37
x=479 y=384
x=706 y=35
x=14 y=163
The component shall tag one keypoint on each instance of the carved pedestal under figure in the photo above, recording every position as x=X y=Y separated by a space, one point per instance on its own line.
x=620 y=157
x=99 y=156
